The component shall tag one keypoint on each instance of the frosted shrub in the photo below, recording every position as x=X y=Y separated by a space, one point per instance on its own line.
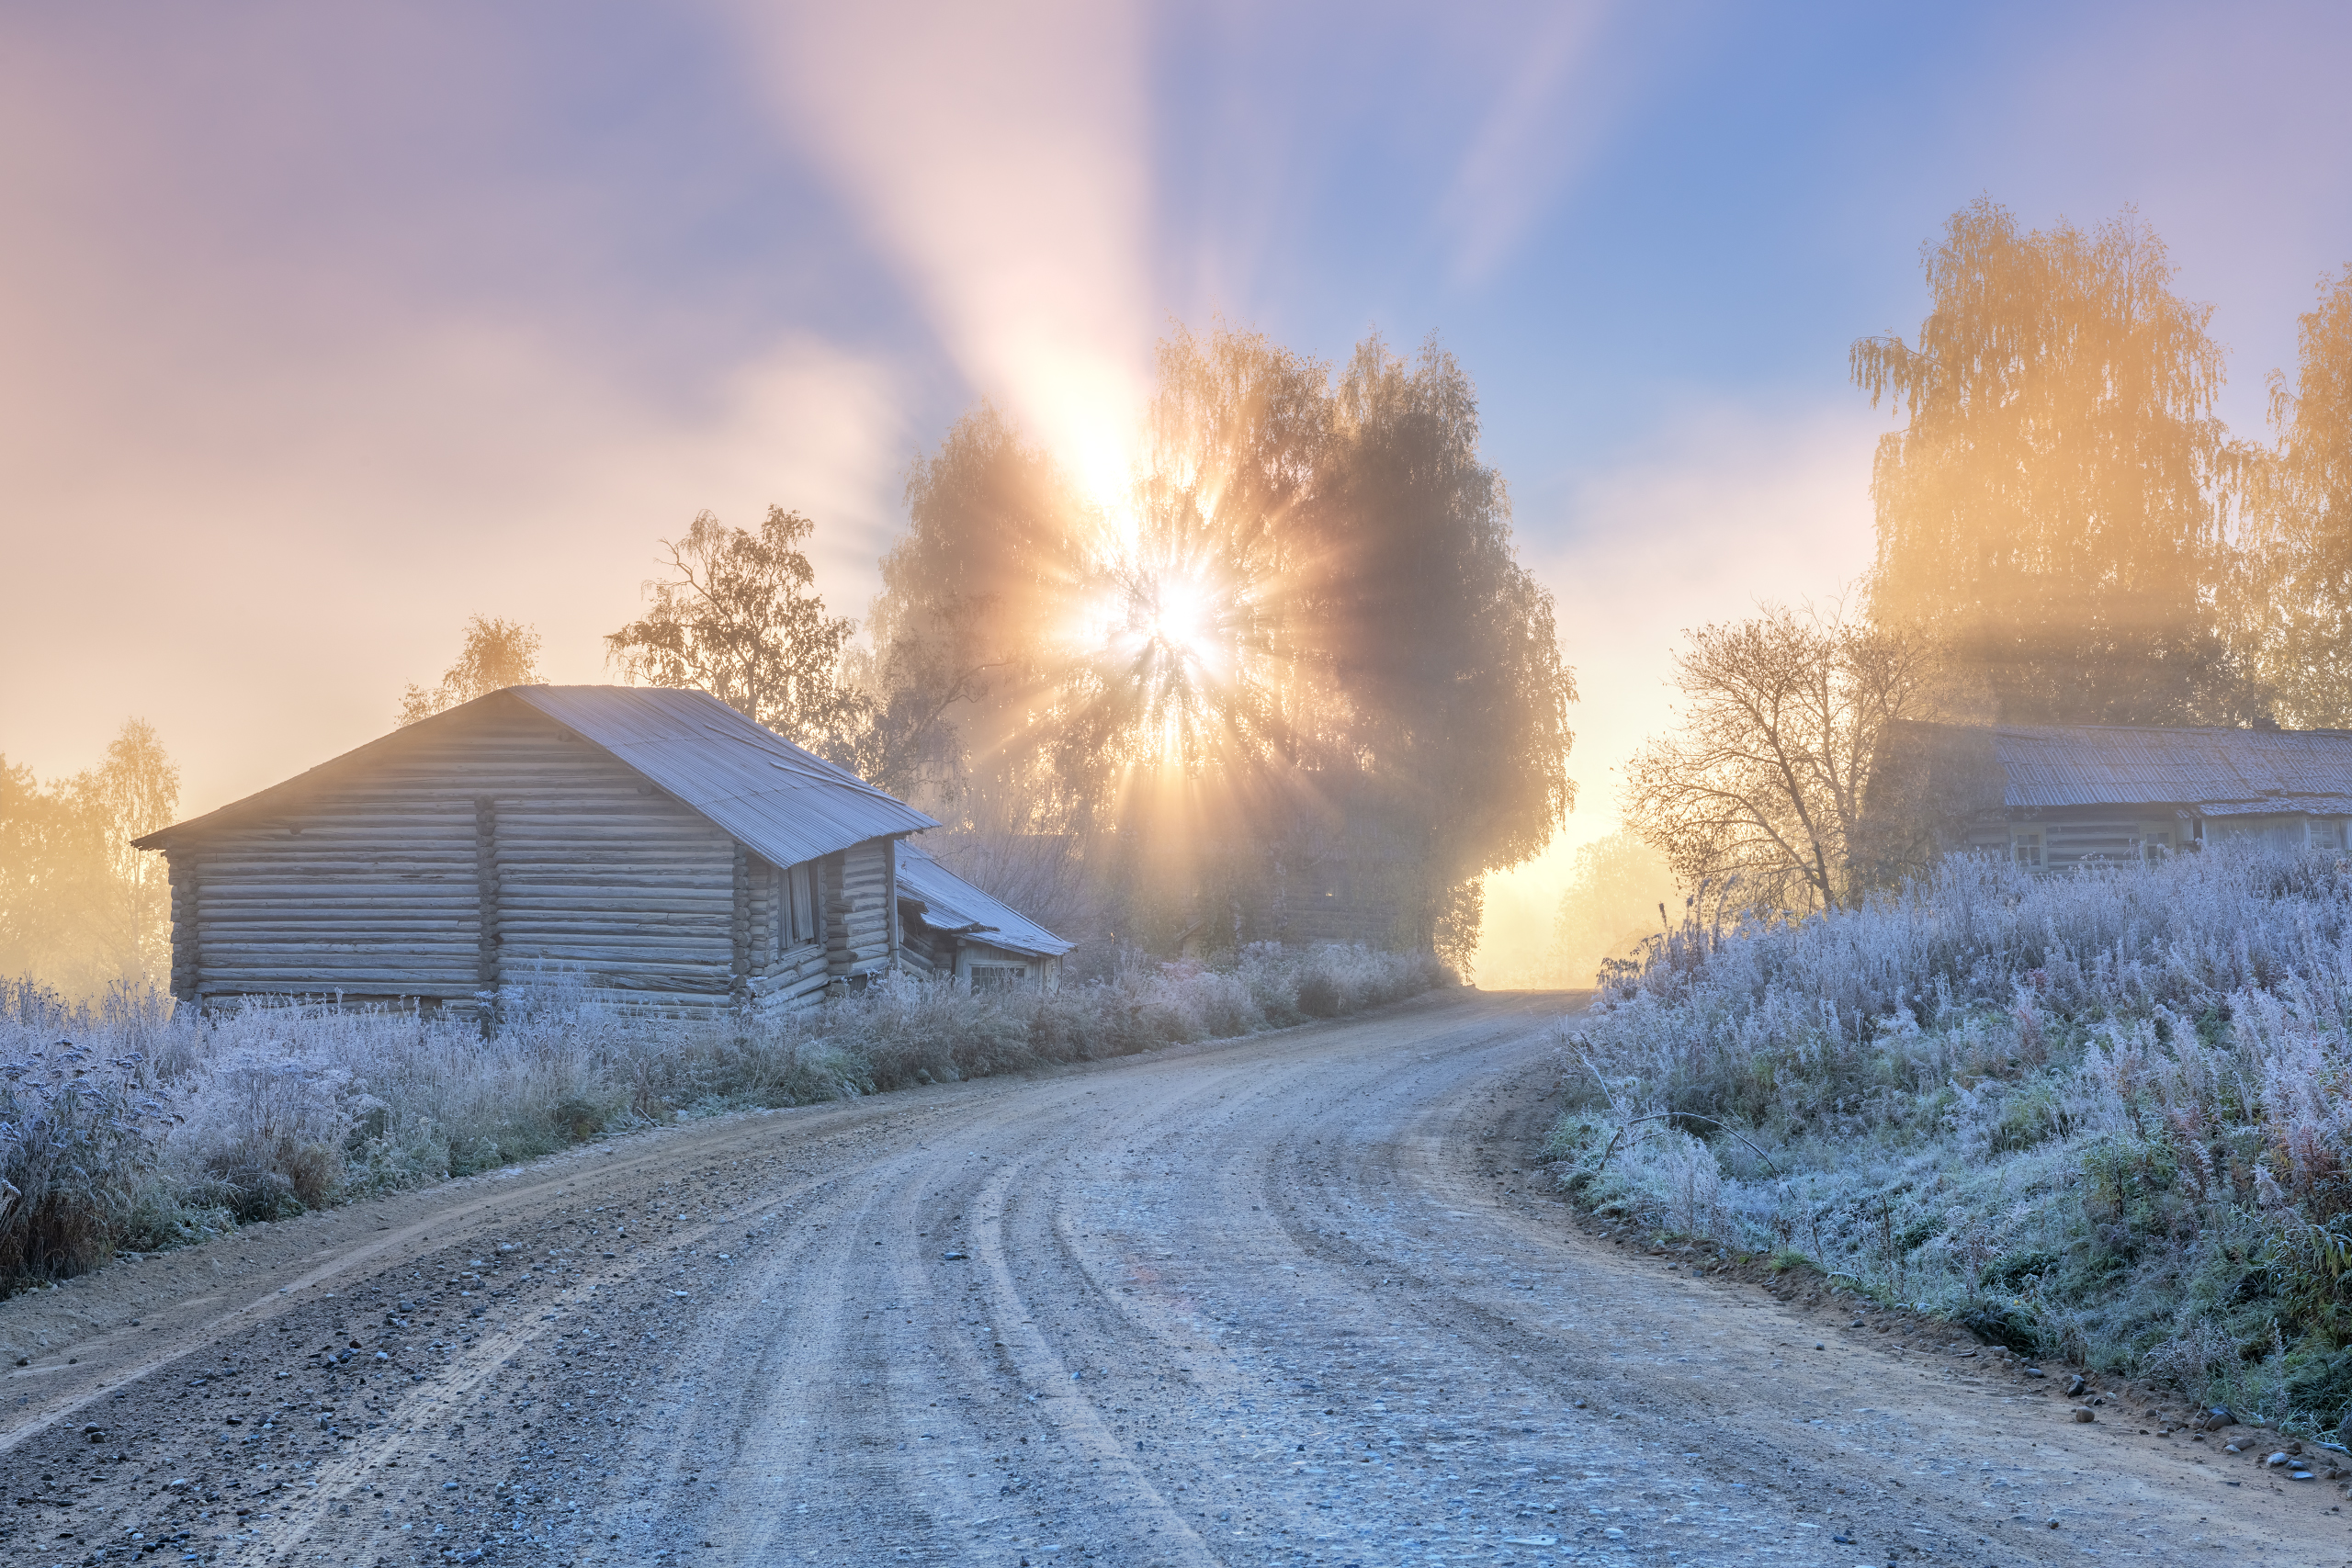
x=265 y=1130
x=79 y=1127
x=2109 y=1112
x=139 y=1124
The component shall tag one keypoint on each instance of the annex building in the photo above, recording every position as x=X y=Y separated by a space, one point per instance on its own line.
x=2057 y=795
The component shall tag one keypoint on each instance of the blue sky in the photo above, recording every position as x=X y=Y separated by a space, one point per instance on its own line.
x=326 y=328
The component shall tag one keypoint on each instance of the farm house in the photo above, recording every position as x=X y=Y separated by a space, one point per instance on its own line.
x=652 y=844
x=2051 y=797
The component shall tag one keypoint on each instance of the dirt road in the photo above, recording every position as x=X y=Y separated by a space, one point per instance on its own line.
x=1296 y=1299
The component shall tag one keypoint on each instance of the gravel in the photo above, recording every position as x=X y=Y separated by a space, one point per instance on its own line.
x=1297 y=1299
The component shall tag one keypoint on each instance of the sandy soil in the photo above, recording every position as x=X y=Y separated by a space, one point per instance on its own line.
x=1302 y=1298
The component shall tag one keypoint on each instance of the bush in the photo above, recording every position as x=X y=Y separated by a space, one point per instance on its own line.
x=2103 y=1113
x=139 y=1124
x=79 y=1132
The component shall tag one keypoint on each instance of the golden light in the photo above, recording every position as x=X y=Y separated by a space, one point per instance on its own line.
x=1179 y=608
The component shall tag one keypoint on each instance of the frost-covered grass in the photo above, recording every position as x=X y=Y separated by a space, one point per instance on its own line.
x=2105 y=1114
x=138 y=1125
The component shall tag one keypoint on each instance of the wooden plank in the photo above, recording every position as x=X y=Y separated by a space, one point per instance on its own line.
x=486 y=884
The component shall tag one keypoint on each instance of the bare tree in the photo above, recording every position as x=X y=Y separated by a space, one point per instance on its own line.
x=742 y=620
x=497 y=654
x=1764 y=777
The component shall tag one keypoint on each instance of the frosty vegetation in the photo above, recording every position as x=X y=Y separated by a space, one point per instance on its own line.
x=139 y=1124
x=2107 y=1115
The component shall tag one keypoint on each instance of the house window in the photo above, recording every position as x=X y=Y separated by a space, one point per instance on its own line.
x=799 y=904
x=2025 y=849
x=997 y=976
x=795 y=921
x=2155 y=840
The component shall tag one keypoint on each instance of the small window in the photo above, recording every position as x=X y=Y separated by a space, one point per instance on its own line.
x=2155 y=842
x=997 y=976
x=2025 y=849
x=800 y=903
x=794 y=922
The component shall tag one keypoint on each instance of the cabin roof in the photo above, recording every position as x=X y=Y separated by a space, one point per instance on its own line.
x=952 y=905
x=784 y=803
x=2220 y=772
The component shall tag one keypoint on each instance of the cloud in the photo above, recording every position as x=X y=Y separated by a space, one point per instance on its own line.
x=997 y=154
x=1542 y=122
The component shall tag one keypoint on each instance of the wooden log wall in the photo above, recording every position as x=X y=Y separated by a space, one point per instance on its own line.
x=483 y=854
x=182 y=871
x=376 y=884
x=861 y=906
x=782 y=970
x=2070 y=839
x=922 y=951
x=368 y=892
x=485 y=894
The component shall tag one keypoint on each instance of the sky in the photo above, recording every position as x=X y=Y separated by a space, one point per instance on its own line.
x=322 y=329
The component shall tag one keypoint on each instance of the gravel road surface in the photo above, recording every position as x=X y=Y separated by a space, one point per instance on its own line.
x=1296 y=1298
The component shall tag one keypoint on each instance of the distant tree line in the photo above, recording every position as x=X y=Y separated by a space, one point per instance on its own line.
x=81 y=911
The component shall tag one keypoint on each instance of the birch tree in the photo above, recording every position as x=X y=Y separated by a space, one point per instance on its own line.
x=2294 y=592
x=740 y=617
x=2051 y=505
x=496 y=654
x=80 y=910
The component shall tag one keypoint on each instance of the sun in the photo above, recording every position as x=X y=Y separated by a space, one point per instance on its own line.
x=1179 y=615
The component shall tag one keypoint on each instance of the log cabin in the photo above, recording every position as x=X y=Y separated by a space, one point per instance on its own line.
x=2054 y=796
x=955 y=931
x=652 y=845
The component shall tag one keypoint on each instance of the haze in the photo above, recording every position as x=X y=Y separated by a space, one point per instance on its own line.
x=328 y=330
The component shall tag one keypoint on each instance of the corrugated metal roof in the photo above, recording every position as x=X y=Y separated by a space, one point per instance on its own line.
x=952 y=903
x=2308 y=769
x=785 y=804
x=2314 y=804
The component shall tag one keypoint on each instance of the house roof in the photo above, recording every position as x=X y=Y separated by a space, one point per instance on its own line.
x=952 y=905
x=784 y=803
x=2221 y=772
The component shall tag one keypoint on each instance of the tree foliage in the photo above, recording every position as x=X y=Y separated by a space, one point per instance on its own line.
x=2294 y=591
x=497 y=654
x=2051 y=507
x=964 y=631
x=1444 y=646
x=1765 y=777
x=1306 y=623
x=740 y=617
x=80 y=910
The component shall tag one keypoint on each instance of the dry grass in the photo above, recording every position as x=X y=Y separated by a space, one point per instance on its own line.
x=138 y=1125
x=2108 y=1114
